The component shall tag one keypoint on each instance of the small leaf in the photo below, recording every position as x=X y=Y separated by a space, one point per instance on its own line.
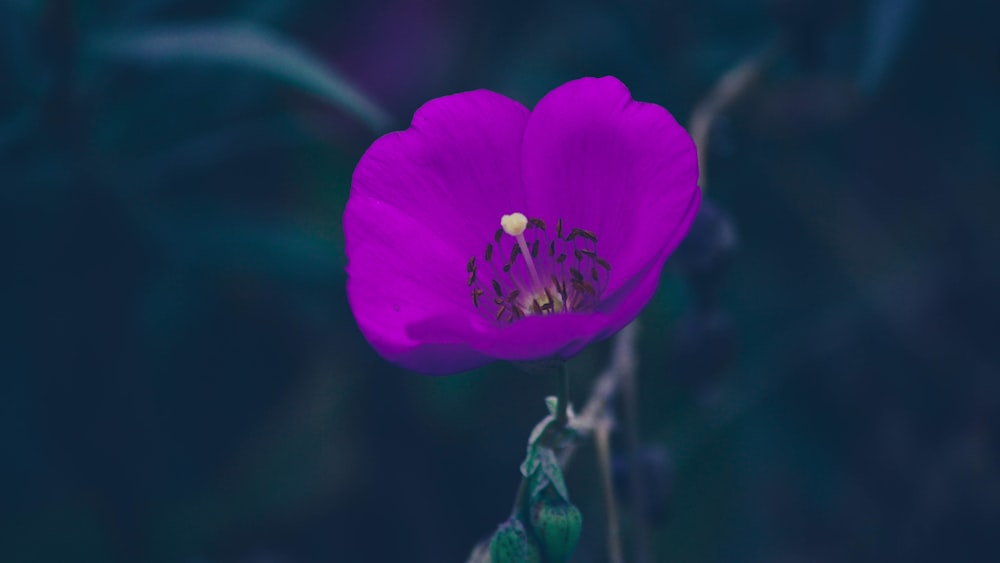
x=552 y=403
x=542 y=471
x=539 y=482
x=530 y=463
x=539 y=429
x=549 y=466
x=244 y=46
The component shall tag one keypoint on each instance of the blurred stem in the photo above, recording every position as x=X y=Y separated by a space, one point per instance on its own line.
x=623 y=362
x=602 y=438
x=562 y=408
x=728 y=89
x=640 y=541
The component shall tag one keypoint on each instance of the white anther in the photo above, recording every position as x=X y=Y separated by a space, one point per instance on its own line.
x=514 y=224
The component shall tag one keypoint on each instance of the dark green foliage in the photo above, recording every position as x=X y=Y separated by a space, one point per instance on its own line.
x=181 y=379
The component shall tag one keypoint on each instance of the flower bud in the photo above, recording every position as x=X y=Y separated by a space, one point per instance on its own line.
x=557 y=525
x=511 y=543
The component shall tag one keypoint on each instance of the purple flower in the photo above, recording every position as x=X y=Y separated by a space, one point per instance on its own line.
x=593 y=189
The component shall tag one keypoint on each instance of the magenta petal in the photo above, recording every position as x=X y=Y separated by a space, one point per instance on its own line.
x=390 y=287
x=423 y=201
x=531 y=338
x=560 y=336
x=623 y=169
x=628 y=299
x=457 y=168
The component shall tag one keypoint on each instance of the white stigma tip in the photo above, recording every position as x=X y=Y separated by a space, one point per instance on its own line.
x=514 y=224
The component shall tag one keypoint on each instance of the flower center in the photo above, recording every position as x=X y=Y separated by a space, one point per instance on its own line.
x=530 y=272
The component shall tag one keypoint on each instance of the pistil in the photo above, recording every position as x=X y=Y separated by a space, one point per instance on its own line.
x=514 y=225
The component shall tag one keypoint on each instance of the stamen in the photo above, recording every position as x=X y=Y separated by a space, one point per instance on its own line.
x=514 y=251
x=565 y=258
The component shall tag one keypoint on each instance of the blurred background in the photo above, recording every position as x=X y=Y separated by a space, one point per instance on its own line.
x=182 y=380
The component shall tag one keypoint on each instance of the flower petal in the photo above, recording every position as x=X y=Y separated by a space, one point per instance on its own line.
x=456 y=169
x=620 y=168
x=531 y=338
x=629 y=297
x=561 y=336
x=422 y=202
x=425 y=200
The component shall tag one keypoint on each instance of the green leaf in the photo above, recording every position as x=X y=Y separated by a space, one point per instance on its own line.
x=530 y=463
x=539 y=430
x=552 y=403
x=549 y=467
x=541 y=468
x=246 y=46
x=538 y=482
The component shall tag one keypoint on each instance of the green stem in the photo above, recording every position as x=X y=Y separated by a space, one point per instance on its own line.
x=520 y=510
x=562 y=419
x=562 y=408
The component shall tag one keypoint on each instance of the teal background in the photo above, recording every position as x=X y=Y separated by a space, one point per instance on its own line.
x=182 y=379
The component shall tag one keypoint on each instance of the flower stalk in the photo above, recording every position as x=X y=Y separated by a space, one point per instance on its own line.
x=630 y=400
x=562 y=407
x=602 y=438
